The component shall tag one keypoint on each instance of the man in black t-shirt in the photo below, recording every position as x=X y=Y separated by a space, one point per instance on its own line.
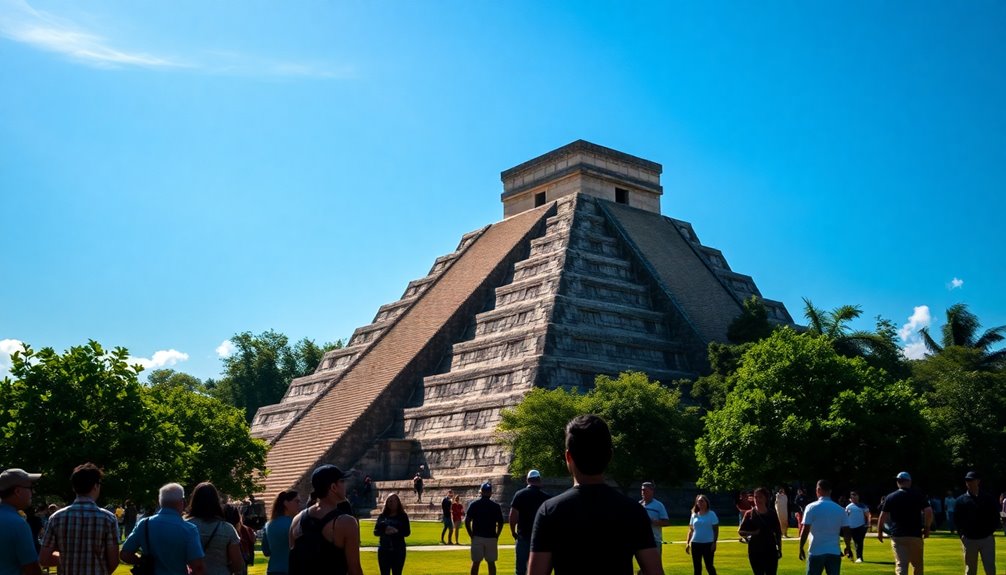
x=904 y=510
x=523 y=509
x=591 y=528
x=977 y=517
x=445 y=507
x=484 y=523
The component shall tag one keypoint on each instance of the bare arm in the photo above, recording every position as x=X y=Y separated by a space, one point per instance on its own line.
x=716 y=536
x=880 y=525
x=294 y=530
x=540 y=563
x=235 y=562
x=197 y=567
x=649 y=561
x=347 y=536
x=514 y=518
x=929 y=521
x=804 y=533
x=688 y=540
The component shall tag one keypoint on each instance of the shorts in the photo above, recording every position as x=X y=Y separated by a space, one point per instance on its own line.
x=484 y=548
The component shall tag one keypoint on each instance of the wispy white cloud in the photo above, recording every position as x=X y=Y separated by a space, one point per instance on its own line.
x=914 y=348
x=955 y=283
x=42 y=30
x=22 y=23
x=162 y=358
x=7 y=349
x=225 y=349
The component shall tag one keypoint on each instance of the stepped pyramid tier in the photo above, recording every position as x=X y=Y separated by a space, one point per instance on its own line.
x=584 y=276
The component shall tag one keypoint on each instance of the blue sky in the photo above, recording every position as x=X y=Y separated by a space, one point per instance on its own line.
x=172 y=173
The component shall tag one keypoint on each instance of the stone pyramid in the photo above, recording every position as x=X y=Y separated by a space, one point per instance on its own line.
x=583 y=276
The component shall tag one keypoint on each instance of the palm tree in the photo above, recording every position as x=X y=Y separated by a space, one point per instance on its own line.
x=961 y=330
x=878 y=348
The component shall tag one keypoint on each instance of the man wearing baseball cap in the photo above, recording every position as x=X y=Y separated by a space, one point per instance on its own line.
x=340 y=532
x=904 y=510
x=484 y=523
x=977 y=521
x=17 y=551
x=523 y=508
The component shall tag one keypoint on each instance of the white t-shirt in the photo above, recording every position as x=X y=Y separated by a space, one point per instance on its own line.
x=857 y=515
x=781 y=505
x=826 y=520
x=702 y=525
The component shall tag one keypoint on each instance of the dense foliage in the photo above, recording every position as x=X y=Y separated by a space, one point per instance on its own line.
x=60 y=410
x=652 y=432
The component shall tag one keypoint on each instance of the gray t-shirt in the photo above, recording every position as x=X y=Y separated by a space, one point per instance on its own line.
x=215 y=545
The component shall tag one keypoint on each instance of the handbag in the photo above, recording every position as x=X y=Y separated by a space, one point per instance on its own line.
x=145 y=566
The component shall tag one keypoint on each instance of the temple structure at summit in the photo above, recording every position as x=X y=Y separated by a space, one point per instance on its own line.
x=583 y=276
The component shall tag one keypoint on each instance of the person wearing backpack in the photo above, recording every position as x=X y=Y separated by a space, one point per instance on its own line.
x=323 y=539
x=220 y=540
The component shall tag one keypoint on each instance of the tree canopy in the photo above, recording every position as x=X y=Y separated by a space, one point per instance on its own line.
x=86 y=404
x=651 y=431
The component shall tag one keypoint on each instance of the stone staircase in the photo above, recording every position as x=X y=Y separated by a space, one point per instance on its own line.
x=575 y=307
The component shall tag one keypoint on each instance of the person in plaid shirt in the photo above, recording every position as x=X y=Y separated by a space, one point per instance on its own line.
x=85 y=535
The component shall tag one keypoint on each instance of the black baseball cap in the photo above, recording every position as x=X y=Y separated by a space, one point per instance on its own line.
x=323 y=478
x=971 y=476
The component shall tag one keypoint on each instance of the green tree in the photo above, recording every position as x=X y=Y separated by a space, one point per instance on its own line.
x=216 y=441
x=961 y=330
x=798 y=409
x=752 y=324
x=172 y=378
x=61 y=410
x=652 y=432
x=535 y=430
x=878 y=348
x=262 y=367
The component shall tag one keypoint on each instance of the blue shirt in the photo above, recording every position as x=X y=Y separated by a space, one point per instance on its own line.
x=173 y=541
x=655 y=510
x=825 y=518
x=276 y=544
x=702 y=525
x=17 y=548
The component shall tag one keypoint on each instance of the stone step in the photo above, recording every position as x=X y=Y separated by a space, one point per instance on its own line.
x=538 y=265
x=442 y=262
x=606 y=289
x=609 y=316
x=339 y=359
x=599 y=265
x=599 y=344
x=461 y=416
x=392 y=310
x=368 y=333
x=580 y=372
x=596 y=244
x=528 y=289
x=514 y=316
x=520 y=343
x=417 y=287
x=500 y=376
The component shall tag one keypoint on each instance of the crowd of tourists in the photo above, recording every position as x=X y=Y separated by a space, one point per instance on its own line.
x=589 y=528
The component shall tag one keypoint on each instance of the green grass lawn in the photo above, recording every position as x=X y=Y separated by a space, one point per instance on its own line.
x=943 y=554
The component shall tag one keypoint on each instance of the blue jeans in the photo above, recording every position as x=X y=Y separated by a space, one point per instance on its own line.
x=831 y=564
x=523 y=549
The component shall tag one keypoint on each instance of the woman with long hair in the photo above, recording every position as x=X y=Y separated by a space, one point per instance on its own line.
x=221 y=543
x=703 y=531
x=457 y=513
x=246 y=534
x=761 y=528
x=392 y=527
x=276 y=540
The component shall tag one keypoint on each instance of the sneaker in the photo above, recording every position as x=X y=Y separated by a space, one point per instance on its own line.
x=859 y=560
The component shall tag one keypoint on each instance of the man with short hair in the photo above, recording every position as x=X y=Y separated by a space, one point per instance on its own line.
x=904 y=510
x=173 y=542
x=17 y=548
x=657 y=514
x=445 y=508
x=341 y=531
x=484 y=523
x=591 y=527
x=85 y=535
x=826 y=521
x=977 y=521
x=523 y=508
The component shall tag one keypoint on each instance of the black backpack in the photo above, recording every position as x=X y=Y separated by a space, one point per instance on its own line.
x=308 y=555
